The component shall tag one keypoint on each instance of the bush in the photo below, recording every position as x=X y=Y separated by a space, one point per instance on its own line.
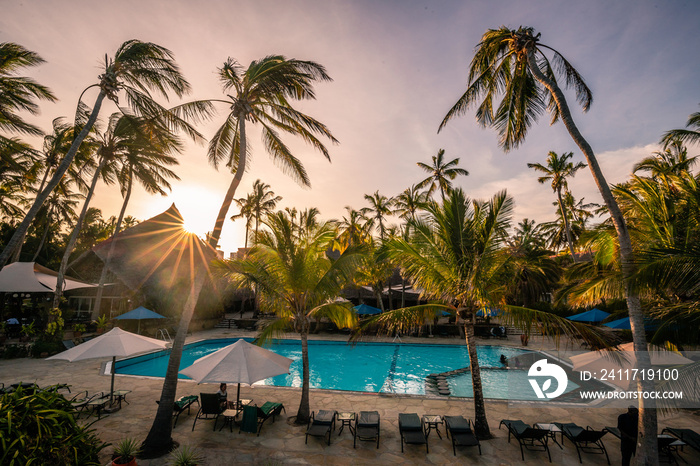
x=15 y=351
x=38 y=427
x=46 y=346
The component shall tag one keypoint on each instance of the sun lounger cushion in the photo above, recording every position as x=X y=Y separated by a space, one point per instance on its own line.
x=324 y=417
x=269 y=407
x=458 y=424
x=185 y=401
x=410 y=421
x=368 y=419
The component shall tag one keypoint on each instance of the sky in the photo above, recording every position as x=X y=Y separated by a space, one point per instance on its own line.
x=398 y=67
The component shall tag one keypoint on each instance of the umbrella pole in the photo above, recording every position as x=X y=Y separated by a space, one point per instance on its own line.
x=238 y=396
x=111 y=390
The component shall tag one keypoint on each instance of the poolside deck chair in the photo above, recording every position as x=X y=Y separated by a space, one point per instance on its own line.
x=321 y=424
x=587 y=440
x=96 y=404
x=80 y=400
x=412 y=431
x=461 y=432
x=689 y=436
x=528 y=437
x=181 y=404
x=209 y=408
x=260 y=414
x=366 y=427
x=665 y=442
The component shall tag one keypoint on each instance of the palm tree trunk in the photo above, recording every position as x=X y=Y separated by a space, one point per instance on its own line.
x=159 y=440
x=74 y=236
x=18 y=251
x=55 y=179
x=481 y=424
x=303 y=414
x=648 y=454
x=567 y=229
x=105 y=267
x=43 y=238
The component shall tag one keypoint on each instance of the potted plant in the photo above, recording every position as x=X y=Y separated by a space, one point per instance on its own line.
x=78 y=330
x=101 y=324
x=125 y=452
x=28 y=332
x=185 y=456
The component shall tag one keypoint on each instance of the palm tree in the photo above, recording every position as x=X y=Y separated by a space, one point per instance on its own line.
x=441 y=174
x=513 y=63
x=263 y=95
x=19 y=93
x=146 y=160
x=352 y=230
x=245 y=206
x=691 y=135
x=264 y=201
x=672 y=162
x=557 y=170
x=379 y=208
x=295 y=278
x=136 y=69
x=409 y=202
x=16 y=176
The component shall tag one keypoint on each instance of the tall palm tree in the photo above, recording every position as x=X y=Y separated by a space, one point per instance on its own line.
x=137 y=69
x=409 y=202
x=265 y=201
x=557 y=170
x=245 y=206
x=16 y=176
x=264 y=93
x=18 y=93
x=672 y=162
x=690 y=135
x=380 y=207
x=513 y=63
x=352 y=229
x=295 y=278
x=441 y=174
x=145 y=160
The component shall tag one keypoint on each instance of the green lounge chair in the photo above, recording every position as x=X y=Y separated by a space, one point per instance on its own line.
x=461 y=432
x=181 y=404
x=255 y=416
x=528 y=437
x=321 y=424
x=412 y=431
x=366 y=427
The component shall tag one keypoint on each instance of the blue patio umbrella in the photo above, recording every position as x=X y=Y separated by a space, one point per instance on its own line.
x=139 y=314
x=620 y=324
x=364 y=309
x=488 y=312
x=594 y=315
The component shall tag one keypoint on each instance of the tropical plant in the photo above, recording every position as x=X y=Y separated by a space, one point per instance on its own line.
x=39 y=426
x=296 y=279
x=263 y=95
x=559 y=168
x=441 y=174
x=18 y=93
x=245 y=206
x=125 y=451
x=513 y=63
x=409 y=202
x=380 y=207
x=136 y=69
x=690 y=135
x=186 y=456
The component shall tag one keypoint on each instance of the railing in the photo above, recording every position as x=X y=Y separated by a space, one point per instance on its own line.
x=163 y=334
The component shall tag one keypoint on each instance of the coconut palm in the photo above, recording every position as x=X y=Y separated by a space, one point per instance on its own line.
x=264 y=201
x=137 y=69
x=380 y=207
x=557 y=170
x=18 y=93
x=441 y=174
x=409 y=202
x=58 y=209
x=16 y=176
x=295 y=278
x=513 y=63
x=352 y=228
x=690 y=135
x=668 y=164
x=263 y=95
x=245 y=206
x=146 y=161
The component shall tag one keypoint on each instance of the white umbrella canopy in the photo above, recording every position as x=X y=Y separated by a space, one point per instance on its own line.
x=116 y=342
x=597 y=361
x=241 y=363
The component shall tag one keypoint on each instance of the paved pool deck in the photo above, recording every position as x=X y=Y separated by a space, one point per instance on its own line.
x=283 y=442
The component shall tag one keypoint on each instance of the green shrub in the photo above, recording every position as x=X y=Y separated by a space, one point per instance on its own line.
x=46 y=346
x=15 y=351
x=38 y=427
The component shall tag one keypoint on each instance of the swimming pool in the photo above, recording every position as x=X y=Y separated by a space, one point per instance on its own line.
x=366 y=367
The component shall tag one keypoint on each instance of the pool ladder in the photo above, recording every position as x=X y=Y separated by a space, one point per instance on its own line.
x=163 y=334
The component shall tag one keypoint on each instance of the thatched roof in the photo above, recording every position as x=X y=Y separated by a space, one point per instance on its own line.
x=157 y=252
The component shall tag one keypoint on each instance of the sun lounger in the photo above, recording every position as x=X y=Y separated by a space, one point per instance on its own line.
x=181 y=404
x=321 y=424
x=689 y=436
x=209 y=408
x=411 y=430
x=366 y=427
x=528 y=437
x=461 y=432
x=96 y=404
x=255 y=416
x=666 y=441
x=587 y=440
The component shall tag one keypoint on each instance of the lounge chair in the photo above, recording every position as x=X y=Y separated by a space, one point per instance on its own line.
x=366 y=427
x=411 y=430
x=80 y=400
x=530 y=438
x=255 y=416
x=96 y=404
x=664 y=440
x=587 y=440
x=181 y=404
x=209 y=408
x=689 y=436
x=321 y=424
x=461 y=433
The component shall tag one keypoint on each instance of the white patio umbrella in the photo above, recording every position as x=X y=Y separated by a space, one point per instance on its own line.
x=116 y=342
x=597 y=361
x=241 y=363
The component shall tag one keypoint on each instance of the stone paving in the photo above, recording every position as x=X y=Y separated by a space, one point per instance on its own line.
x=283 y=442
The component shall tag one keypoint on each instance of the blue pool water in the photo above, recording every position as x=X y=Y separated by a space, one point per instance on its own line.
x=365 y=367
